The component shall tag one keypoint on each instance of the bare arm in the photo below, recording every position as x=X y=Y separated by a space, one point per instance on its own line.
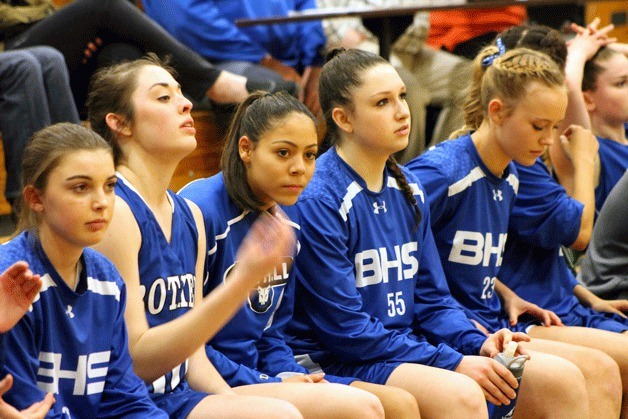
x=157 y=350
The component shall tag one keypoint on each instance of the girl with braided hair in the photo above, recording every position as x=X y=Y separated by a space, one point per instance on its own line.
x=372 y=299
x=547 y=217
x=516 y=101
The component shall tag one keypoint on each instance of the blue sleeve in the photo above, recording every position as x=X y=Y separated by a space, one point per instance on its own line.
x=236 y=374
x=201 y=26
x=22 y=363
x=334 y=305
x=436 y=186
x=125 y=395
x=275 y=356
x=438 y=315
x=543 y=214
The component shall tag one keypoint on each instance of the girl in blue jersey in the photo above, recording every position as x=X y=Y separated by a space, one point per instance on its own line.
x=515 y=102
x=157 y=241
x=546 y=217
x=372 y=299
x=72 y=342
x=267 y=161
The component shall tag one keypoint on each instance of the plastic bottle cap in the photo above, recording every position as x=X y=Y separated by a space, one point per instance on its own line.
x=511 y=348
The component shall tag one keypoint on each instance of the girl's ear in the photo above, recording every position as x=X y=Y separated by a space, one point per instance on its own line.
x=245 y=146
x=589 y=103
x=496 y=111
x=117 y=124
x=32 y=198
x=342 y=120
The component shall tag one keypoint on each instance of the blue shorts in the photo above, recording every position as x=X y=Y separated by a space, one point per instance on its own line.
x=180 y=401
x=583 y=316
x=376 y=373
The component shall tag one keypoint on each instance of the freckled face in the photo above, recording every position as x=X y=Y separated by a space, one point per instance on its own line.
x=524 y=134
x=77 y=203
x=380 y=116
x=281 y=163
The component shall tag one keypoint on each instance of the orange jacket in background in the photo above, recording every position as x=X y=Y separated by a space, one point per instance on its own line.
x=448 y=28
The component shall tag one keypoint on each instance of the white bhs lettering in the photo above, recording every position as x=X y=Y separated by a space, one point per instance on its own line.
x=90 y=367
x=372 y=265
x=473 y=248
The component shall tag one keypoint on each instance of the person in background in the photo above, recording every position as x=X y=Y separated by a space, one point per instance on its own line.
x=290 y=52
x=604 y=269
x=83 y=29
x=34 y=90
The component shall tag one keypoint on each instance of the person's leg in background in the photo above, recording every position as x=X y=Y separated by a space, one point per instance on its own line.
x=24 y=98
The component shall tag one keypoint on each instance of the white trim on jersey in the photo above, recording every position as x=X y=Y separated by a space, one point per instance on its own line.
x=103 y=287
x=159 y=385
x=474 y=175
x=514 y=182
x=352 y=190
x=392 y=183
x=226 y=232
x=131 y=187
x=46 y=282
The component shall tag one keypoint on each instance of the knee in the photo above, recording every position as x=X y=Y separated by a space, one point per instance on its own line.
x=565 y=385
x=400 y=403
x=602 y=370
x=363 y=404
x=469 y=399
x=284 y=410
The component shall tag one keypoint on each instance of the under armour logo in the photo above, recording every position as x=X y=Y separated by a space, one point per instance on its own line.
x=69 y=312
x=377 y=207
x=497 y=195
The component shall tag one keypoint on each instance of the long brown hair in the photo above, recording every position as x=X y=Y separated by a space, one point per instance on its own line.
x=341 y=75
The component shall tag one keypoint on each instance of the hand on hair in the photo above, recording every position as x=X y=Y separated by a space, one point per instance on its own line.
x=590 y=39
x=18 y=288
x=35 y=411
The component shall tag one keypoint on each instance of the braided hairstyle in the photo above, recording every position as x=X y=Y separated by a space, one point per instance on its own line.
x=340 y=76
x=507 y=77
x=539 y=38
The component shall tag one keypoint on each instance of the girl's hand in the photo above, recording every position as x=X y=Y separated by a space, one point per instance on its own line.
x=579 y=145
x=37 y=410
x=305 y=378
x=267 y=245
x=496 y=380
x=498 y=341
x=516 y=306
x=618 y=307
x=18 y=288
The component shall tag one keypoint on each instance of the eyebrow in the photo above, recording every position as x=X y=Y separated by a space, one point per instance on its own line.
x=85 y=177
x=164 y=84
x=293 y=144
x=388 y=92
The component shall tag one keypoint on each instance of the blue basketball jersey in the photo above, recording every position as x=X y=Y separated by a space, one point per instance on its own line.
x=370 y=287
x=250 y=348
x=543 y=218
x=167 y=269
x=469 y=208
x=613 y=165
x=73 y=343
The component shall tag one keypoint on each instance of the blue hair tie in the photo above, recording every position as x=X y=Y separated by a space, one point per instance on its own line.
x=501 y=49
